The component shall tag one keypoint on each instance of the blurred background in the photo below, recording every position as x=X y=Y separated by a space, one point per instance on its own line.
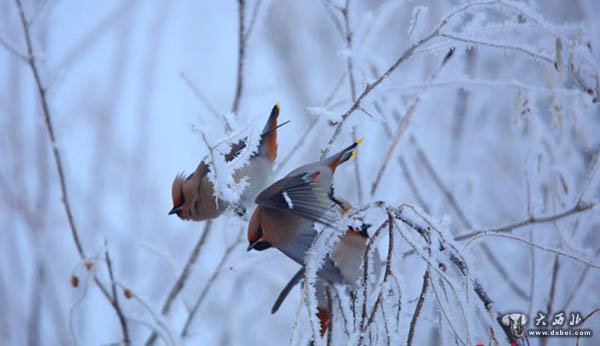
x=504 y=130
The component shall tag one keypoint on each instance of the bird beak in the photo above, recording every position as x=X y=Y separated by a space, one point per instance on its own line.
x=174 y=210
x=251 y=246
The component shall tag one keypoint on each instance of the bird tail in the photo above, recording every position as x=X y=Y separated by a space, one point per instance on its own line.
x=344 y=155
x=268 y=140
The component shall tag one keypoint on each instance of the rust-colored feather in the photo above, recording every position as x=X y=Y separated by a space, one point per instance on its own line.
x=177 y=189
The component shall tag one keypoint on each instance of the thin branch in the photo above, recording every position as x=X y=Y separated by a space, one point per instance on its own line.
x=183 y=277
x=463 y=217
x=205 y=102
x=50 y=130
x=370 y=86
x=538 y=246
x=587 y=317
x=411 y=184
x=502 y=45
x=211 y=280
x=252 y=20
x=403 y=57
x=578 y=284
x=418 y=307
x=405 y=122
x=132 y=295
x=56 y=153
x=590 y=176
x=311 y=125
x=14 y=50
x=532 y=220
x=115 y=300
x=388 y=268
x=440 y=184
x=552 y=294
x=349 y=63
x=241 y=54
x=491 y=84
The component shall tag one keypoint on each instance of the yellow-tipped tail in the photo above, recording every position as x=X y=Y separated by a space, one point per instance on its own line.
x=358 y=141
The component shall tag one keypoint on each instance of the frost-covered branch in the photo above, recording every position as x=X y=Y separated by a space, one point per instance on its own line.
x=403 y=125
x=538 y=246
x=418 y=307
x=532 y=220
x=183 y=277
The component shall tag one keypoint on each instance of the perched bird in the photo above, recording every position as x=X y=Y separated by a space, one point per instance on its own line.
x=288 y=208
x=193 y=197
x=348 y=256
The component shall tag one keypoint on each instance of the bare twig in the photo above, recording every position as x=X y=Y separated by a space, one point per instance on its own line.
x=50 y=129
x=552 y=294
x=115 y=300
x=502 y=45
x=412 y=186
x=311 y=125
x=252 y=21
x=241 y=54
x=388 y=271
x=370 y=86
x=407 y=53
x=440 y=184
x=211 y=280
x=531 y=220
x=590 y=175
x=12 y=49
x=204 y=100
x=349 y=63
x=132 y=295
x=403 y=125
x=183 y=277
x=418 y=307
x=538 y=246
x=578 y=284
x=587 y=317
x=56 y=153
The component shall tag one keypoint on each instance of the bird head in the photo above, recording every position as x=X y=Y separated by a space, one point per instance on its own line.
x=256 y=237
x=180 y=207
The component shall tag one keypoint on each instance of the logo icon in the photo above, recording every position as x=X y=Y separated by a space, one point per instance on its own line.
x=516 y=323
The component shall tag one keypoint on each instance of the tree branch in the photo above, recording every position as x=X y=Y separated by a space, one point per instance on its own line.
x=418 y=307
x=115 y=300
x=370 y=86
x=532 y=220
x=182 y=279
x=211 y=280
x=241 y=54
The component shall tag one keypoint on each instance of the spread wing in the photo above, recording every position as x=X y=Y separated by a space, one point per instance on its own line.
x=303 y=196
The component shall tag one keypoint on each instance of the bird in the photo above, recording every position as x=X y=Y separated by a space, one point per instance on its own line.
x=348 y=256
x=193 y=196
x=287 y=209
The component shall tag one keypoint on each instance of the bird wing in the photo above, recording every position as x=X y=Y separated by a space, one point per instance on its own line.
x=297 y=249
x=301 y=195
